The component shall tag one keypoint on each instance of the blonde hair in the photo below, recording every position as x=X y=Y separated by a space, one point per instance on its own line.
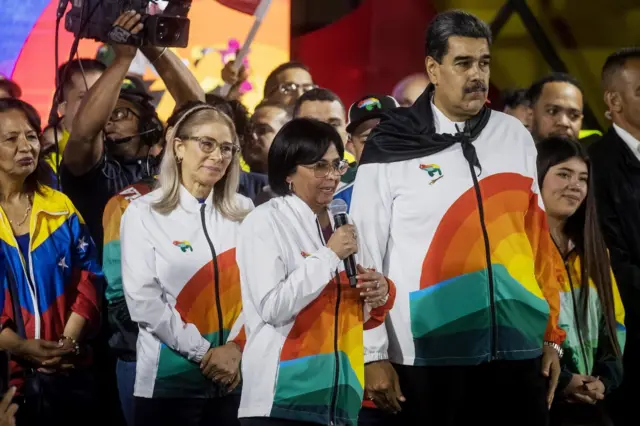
x=169 y=179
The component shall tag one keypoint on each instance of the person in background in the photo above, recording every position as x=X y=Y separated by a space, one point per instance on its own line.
x=267 y=119
x=9 y=88
x=557 y=104
x=8 y=410
x=364 y=115
x=591 y=311
x=287 y=82
x=410 y=88
x=51 y=281
x=616 y=172
x=442 y=214
x=304 y=356
x=517 y=104
x=180 y=277
x=76 y=78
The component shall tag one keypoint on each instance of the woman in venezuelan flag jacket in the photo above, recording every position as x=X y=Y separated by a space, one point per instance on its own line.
x=50 y=280
x=304 y=358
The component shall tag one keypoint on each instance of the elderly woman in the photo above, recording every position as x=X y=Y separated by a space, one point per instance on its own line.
x=304 y=358
x=591 y=311
x=50 y=280
x=180 y=277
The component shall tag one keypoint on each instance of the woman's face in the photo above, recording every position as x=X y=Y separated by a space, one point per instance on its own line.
x=316 y=183
x=565 y=188
x=206 y=151
x=19 y=145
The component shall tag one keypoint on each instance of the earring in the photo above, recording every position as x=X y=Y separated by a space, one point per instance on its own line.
x=178 y=160
x=290 y=186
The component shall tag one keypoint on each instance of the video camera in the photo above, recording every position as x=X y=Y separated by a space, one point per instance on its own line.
x=94 y=19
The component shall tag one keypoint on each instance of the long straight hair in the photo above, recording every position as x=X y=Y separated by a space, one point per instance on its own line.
x=584 y=231
x=170 y=179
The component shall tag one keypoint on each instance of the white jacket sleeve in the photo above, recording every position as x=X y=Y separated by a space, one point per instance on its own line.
x=145 y=296
x=371 y=214
x=277 y=294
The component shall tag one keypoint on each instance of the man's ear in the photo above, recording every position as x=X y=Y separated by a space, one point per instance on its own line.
x=432 y=67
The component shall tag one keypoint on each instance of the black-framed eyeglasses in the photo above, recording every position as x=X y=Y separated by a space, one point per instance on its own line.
x=322 y=168
x=289 y=88
x=209 y=145
x=122 y=113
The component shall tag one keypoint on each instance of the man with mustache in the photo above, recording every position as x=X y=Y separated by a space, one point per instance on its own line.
x=557 y=104
x=447 y=205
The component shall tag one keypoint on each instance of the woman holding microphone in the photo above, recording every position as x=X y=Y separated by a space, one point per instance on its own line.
x=304 y=358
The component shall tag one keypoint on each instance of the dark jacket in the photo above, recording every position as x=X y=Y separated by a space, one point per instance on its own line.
x=616 y=173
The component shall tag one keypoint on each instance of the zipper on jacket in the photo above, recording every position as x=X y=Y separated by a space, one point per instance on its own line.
x=216 y=277
x=487 y=249
x=336 y=377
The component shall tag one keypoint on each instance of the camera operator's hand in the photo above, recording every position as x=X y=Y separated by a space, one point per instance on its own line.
x=130 y=22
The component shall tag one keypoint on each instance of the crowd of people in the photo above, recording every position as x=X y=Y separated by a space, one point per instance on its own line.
x=191 y=272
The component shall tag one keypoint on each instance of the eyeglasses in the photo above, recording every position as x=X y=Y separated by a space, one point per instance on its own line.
x=209 y=145
x=289 y=88
x=321 y=169
x=121 y=113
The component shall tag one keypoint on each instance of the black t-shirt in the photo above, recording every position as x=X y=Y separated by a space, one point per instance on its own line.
x=91 y=191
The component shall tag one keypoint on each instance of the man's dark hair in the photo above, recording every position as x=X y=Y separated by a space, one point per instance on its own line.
x=302 y=141
x=534 y=92
x=235 y=110
x=616 y=62
x=11 y=87
x=453 y=23
x=515 y=97
x=318 y=94
x=272 y=79
x=40 y=176
x=271 y=103
x=67 y=70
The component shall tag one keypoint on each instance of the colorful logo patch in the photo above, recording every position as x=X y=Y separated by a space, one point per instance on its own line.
x=304 y=254
x=370 y=104
x=432 y=169
x=184 y=245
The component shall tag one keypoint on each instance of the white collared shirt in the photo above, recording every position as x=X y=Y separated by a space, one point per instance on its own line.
x=632 y=143
x=442 y=123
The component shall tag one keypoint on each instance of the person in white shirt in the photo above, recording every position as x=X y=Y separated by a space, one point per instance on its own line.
x=447 y=205
x=304 y=358
x=616 y=172
x=180 y=276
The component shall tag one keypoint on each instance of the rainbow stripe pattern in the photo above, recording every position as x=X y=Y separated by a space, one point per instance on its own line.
x=177 y=376
x=451 y=318
x=307 y=373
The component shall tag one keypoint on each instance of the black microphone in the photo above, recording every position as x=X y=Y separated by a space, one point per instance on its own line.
x=338 y=209
x=128 y=138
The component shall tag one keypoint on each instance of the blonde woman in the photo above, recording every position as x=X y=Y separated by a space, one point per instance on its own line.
x=180 y=277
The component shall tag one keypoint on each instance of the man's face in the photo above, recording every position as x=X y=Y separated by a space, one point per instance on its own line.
x=558 y=111
x=265 y=124
x=462 y=79
x=292 y=83
x=329 y=112
x=74 y=93
x=123 y=122
x=358 y=138
x=627 y=96
x=522 y=113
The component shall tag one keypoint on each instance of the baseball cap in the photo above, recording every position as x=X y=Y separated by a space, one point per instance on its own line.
x=368 y=107
x=134 y=91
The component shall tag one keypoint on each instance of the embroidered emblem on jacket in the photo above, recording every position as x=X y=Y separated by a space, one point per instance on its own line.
x=433 y=170
x=304 y=254
x=184 y=245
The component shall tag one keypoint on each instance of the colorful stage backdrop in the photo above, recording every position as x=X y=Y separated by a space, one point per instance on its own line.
x=27 y=47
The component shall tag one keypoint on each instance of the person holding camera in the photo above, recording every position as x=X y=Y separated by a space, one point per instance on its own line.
x=115 y=136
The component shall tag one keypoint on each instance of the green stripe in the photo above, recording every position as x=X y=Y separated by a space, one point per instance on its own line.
x=111 y=266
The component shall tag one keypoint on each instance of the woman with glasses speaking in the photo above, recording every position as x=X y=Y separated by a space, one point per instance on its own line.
x=304 y=358
x=180 y=277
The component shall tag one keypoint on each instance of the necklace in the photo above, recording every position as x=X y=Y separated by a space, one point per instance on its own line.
x=24 y=218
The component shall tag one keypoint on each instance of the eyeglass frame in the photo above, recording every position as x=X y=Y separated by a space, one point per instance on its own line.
x=332 y=168
x=280 y=87
x=201 y=139
x=129 y=111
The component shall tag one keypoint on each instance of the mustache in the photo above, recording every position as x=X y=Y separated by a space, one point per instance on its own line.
x=477 y=86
